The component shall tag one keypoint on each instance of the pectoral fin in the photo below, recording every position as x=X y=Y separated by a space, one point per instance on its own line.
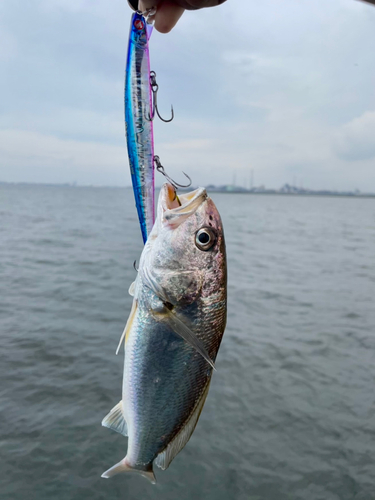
x=179 y=327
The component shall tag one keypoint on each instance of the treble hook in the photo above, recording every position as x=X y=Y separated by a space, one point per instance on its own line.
x=147 y=13
x=154 y=90
x=160 y=168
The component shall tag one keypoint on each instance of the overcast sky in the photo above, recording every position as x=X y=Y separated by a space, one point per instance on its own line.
x=286 y=88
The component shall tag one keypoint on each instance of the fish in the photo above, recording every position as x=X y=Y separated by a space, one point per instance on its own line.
x=173 y=332
x=138 y=120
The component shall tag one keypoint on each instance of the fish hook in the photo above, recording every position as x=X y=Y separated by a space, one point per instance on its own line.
x=154 y=90
x=148 y=13
x=160 y=168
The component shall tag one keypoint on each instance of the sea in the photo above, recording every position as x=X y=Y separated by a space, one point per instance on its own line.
x=290 y=414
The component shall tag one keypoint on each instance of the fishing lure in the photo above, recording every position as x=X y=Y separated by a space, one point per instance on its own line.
x=140 y=107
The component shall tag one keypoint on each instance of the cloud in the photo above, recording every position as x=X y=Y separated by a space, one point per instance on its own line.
x=355 y=141
x=60 y=160
x=189 y=144
x=8 y=46
x=252 y=85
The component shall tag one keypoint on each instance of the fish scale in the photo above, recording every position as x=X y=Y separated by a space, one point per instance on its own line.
x=174 y=397
x=173 y=333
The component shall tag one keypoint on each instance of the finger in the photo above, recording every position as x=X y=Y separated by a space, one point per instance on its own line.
x=186 y=4
x=167 y=15
x=199 y=4
x=147 y=4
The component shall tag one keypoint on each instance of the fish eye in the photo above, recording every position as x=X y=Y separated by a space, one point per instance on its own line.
x=205 y=238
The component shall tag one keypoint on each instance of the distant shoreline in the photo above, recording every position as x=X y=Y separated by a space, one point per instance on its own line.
x=276 y=193
x=284 y=191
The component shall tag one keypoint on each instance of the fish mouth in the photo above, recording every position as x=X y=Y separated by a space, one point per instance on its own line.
x=174 y=209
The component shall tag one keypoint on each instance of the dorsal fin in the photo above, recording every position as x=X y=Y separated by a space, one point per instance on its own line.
x=165 y=458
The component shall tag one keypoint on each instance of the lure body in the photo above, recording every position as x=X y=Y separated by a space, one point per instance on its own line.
x=139 y=128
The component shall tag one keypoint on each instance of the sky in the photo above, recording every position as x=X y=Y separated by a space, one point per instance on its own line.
x=285 y=89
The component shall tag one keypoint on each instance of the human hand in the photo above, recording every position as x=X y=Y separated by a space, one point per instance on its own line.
x=169 y=11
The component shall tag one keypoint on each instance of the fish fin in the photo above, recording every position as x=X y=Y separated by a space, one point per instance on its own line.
x=128 y=325
x=132 y=289
x=123 y=466
x=174 y=447
x=179 y=327
x=115 y=420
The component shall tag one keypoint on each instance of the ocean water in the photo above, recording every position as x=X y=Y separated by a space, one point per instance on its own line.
x=290 y=414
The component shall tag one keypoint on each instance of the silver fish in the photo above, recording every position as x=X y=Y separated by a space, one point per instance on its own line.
x=173 y=332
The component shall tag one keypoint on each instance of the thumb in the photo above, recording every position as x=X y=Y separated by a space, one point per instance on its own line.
x=167 y=15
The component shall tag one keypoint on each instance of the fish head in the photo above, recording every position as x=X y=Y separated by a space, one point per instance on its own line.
x=186 y=248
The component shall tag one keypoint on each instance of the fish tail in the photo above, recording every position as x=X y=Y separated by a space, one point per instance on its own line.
x=124 y=466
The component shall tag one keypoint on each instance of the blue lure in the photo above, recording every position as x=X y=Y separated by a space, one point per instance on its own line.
x=138 y=121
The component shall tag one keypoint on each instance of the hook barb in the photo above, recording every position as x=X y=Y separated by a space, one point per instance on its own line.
x=161 y=118
x=155 y=109
x=161 y=169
